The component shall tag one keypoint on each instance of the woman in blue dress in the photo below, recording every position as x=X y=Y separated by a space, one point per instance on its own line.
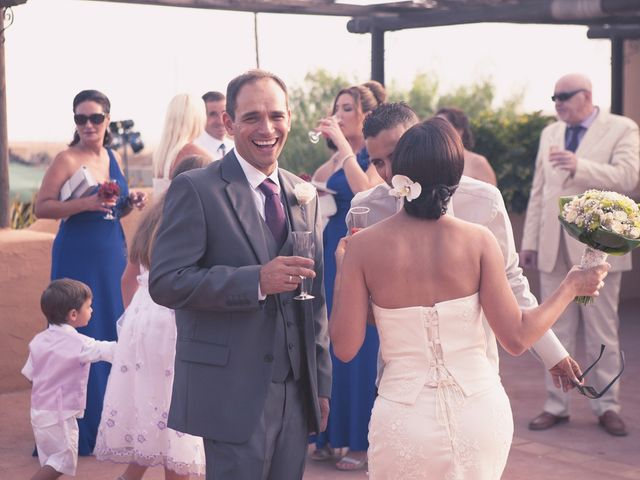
x=348 y=172
x=89 y=246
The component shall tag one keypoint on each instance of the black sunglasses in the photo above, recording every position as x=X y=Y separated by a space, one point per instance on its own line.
x=564 y=96
x=95 y=118
x=591 y=392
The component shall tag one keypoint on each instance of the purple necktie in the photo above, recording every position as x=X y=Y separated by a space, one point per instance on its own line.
x=273 y=211
x=573 y=137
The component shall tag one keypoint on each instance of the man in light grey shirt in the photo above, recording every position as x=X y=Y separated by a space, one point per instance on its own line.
x=474 y=201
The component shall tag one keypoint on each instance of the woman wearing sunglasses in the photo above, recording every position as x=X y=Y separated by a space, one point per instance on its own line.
x=89 y=247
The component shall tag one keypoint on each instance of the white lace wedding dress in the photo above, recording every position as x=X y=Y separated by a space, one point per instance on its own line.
x=441 y=412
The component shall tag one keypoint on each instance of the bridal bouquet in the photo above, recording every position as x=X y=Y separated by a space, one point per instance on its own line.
x=606 y=222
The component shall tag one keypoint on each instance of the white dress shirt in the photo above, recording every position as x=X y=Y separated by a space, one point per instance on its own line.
x=92 y=351
x=478 y=202
x=212 y=145
x=255 y=177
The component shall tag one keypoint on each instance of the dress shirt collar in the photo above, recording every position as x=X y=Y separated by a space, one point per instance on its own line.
x=65 y=327
x=254 y=176
x=586 y=123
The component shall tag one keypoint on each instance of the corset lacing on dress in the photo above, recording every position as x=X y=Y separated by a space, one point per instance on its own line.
x=449 y=395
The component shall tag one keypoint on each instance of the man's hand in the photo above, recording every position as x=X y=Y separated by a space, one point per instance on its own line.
x=324 y=412
x=565 y=373
x=564 y=160
x=282 y=274
x=340 y=251
x=529 y=259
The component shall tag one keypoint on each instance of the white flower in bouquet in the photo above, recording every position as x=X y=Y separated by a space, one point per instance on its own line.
x=606 y=222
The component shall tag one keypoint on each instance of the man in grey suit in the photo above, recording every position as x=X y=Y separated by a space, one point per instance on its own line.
x=252 y=370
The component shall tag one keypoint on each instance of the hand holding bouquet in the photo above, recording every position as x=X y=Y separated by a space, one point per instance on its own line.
x=606 y=222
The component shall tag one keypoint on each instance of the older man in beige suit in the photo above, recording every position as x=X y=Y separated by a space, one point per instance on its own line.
x=587 y=148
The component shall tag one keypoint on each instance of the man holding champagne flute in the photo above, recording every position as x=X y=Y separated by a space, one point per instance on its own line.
x=252 y=370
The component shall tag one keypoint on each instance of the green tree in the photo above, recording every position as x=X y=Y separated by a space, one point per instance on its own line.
x=310 y=102
x=473 y=99
x=510 y=143
x=505 y=136
x=421 y=96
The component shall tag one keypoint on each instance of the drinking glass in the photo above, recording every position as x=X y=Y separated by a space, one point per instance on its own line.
x=109 y=191
x=314 y=135
x=303 y=246
x=357 y=219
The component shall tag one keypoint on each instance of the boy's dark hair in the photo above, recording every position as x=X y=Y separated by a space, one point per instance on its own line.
x=386 y=116
x=62 y=296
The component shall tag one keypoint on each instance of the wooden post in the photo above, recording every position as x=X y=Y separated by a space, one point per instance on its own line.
x=377 y=54
x=4 y=145
x=617 y=75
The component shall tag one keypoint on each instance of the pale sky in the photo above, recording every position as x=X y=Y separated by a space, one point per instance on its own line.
x=140 y=56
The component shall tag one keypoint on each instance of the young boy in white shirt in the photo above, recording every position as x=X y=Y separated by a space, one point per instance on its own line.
x=58 y=366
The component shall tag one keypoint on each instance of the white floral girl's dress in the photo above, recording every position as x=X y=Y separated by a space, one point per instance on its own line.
x=133 y=428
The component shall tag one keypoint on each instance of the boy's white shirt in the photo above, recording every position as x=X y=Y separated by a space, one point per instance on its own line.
x=481 y=203
x=92 y=351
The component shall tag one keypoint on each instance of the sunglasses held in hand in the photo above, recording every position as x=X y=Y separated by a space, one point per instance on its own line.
x=591 y=392
x=94 y=118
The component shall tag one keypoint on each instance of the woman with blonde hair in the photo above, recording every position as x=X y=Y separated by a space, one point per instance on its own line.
x=184 y=122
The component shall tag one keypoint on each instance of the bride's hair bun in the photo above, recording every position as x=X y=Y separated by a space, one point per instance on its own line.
x=431 y=154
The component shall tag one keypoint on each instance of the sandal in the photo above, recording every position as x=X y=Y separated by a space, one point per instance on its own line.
x=322 y=453
x=348 y=463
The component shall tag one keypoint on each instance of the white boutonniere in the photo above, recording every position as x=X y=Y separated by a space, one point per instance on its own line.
x=405 y=187
x=305 y=192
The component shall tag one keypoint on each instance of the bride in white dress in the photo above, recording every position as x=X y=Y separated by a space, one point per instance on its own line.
x=441 y=411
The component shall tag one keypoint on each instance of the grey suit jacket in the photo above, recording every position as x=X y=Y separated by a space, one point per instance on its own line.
x=205 y=265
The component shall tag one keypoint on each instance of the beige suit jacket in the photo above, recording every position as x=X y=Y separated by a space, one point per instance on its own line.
x=608 y=159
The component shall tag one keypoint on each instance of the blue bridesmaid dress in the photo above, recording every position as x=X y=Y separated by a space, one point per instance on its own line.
x=93 y=250
x=353 y=385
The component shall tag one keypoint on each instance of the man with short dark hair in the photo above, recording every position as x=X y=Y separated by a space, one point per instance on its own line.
x=252 y=370
x=587 y=148
x=474 y=201
x=214 y=139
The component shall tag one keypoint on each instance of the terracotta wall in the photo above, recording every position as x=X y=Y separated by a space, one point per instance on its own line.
x=25 y=265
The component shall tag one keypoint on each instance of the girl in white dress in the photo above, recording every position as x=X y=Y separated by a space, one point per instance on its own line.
x=441 y=412
x=133 y=428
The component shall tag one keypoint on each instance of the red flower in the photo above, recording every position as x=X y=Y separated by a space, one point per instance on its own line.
x=305 y=176
x=109 y=189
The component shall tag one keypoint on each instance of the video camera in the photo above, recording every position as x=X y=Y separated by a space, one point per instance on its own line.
x=122 y=134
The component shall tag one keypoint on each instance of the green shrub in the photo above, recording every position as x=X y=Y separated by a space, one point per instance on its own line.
x=510 y=143
x=21 y=214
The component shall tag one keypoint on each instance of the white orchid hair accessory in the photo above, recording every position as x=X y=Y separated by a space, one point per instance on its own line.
x=305 y=192
x=403 y=186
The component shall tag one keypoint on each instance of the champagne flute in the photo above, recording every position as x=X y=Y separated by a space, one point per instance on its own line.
x=357 y=219
x=303 y=246
x=314 y=135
